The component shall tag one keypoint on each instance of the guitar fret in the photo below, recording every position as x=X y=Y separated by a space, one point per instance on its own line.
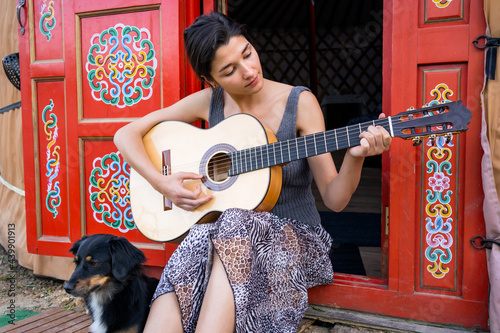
x=237 y=161
x=326 y=143
x=246 y=163
x=267 y=149
x=348 y=141
x=281 y=152
x=315 y=147
x=234 y=167
x=297 y=147
x=261 y=160
x=256 y=159
x=242 y=162
x=336 y=141
x=242 y=156
x=274 y=153
x=289 y=154
x=250 y=158
x=305 y=145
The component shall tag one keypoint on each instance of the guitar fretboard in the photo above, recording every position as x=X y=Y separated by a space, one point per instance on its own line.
x=282 y=152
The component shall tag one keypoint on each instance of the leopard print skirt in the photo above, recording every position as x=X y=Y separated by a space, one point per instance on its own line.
x=270 y=263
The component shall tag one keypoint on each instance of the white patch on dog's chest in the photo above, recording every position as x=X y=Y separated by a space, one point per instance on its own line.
x=97 y=325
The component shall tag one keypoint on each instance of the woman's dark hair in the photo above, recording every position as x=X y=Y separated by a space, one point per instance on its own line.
x=205 y=36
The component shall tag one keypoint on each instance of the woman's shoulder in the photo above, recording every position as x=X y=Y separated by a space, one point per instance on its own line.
x=276 y=86
x=284 y=90
x=198 y=101
x=278 y=90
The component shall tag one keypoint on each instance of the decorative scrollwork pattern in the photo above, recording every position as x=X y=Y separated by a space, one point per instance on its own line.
x=442 y=3
x=109 y=192
x=439 y=215
x=52 y=165
x=121 y=65
x=47 y=20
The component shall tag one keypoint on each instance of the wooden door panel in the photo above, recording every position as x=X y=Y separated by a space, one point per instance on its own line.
x=121 y=74
x=435 y=11
x=48 y=30
x=440 y=256
x=52 y=189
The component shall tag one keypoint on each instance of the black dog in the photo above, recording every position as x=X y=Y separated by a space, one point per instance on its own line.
x=108 y=275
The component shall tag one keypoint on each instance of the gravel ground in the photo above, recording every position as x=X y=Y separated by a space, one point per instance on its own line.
x=21 y=288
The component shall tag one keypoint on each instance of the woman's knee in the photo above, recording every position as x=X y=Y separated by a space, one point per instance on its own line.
x=164 y=315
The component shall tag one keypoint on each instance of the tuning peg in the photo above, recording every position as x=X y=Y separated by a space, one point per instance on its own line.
x=448 y=137
x=432 y=139
x=417 y=141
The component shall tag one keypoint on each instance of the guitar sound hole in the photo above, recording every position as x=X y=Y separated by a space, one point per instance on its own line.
x=218 y=167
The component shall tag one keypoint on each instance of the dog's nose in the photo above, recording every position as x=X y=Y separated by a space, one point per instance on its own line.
x=69 y=287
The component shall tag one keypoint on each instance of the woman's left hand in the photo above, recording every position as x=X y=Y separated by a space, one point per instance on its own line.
x=374 y=141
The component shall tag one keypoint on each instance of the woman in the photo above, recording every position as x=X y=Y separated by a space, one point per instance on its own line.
x=248 y=271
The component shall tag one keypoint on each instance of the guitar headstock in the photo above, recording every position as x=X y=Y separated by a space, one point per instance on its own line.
x=442 y=119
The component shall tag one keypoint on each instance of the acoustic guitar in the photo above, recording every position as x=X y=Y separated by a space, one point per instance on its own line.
x=241 y=161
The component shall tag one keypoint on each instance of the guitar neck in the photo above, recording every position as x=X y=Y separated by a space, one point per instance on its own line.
x=282 y=152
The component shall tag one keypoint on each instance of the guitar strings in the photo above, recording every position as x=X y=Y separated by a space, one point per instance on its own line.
x=343 y=137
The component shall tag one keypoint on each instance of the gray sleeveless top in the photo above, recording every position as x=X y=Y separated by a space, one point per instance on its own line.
x=296 y=200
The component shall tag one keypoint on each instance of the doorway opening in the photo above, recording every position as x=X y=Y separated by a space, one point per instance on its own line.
x=333 y=47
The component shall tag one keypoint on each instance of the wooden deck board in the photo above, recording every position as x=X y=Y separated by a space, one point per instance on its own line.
x=53 y=321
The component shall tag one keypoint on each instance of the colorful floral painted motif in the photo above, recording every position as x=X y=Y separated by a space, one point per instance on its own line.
x=110 y=192
x=442 y=3
x=121 y=65
x=439 y=215
x=53 y=166
x=47 y=20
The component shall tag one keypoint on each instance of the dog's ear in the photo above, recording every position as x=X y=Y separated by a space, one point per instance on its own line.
x=76 y=245
x=124 y=258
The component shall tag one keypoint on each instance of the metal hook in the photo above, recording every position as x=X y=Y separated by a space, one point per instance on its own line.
x=432 y=139
x=484 y=242
x=489 y=41
x=20 y=5
x=476 y=41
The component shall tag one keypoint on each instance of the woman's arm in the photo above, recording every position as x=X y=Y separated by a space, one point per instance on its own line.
x=337 y=188
x=128 y=139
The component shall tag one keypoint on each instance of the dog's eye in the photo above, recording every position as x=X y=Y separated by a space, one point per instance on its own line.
x=94 y=263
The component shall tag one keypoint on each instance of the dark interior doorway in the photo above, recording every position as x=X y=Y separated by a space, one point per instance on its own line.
x=333 y=47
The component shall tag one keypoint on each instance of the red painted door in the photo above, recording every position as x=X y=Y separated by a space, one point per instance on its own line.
x=433 y=272
x=89 y=67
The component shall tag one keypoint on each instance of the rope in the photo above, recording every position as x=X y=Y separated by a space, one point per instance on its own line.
x=11 y=187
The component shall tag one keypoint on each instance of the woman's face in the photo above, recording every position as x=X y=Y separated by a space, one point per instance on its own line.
x=236 y=67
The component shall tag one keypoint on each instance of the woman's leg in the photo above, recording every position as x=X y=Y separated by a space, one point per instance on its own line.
x=217 y=312
x=165 y=315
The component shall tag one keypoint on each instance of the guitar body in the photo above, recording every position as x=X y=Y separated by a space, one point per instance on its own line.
x=203 y=152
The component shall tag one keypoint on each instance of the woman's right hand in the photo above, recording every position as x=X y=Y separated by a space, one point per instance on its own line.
x=172 y=187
